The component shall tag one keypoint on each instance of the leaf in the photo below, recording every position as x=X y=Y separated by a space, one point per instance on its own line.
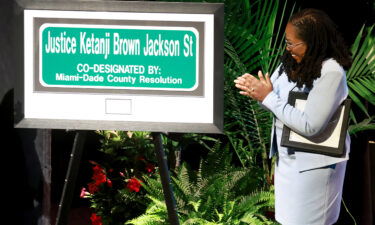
x=361 y=76
x=147 y=220
x=366 y=124
x=358 y=102
x=195 y=205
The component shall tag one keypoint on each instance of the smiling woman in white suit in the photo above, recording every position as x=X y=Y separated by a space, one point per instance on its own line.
x=308 y=187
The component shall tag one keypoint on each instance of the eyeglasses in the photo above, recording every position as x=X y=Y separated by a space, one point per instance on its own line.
x=291 y=46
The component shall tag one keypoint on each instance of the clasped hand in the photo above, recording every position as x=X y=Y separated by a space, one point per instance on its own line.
x=254 y=88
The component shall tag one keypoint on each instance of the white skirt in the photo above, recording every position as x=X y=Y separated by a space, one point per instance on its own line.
x=311 y=197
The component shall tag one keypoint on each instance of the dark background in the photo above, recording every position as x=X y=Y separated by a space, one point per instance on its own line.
x=34 y=164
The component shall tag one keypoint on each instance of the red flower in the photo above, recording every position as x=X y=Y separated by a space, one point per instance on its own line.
x=133 y=184
x=150 y=168
x=96 y=220
x=109 y=183
x=99 y=175
x=93 y=187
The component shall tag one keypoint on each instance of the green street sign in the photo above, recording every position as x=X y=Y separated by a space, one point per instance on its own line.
x=125 y=57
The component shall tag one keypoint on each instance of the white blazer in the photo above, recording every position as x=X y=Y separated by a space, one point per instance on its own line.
x=327 y=93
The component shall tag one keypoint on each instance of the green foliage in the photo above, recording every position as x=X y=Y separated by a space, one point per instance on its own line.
x=361 y=78
x=253 y=35
x=253 y=41
x=217 y=193
x=123 y=148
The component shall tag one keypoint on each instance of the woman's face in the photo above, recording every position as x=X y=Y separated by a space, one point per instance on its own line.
x=295 y=46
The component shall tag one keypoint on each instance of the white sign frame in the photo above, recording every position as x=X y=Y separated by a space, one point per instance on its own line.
x=147 y=111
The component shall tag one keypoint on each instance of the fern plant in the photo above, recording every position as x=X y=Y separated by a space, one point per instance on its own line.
x=217 y=193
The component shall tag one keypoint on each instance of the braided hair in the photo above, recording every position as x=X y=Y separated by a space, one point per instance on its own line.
x=323 y=41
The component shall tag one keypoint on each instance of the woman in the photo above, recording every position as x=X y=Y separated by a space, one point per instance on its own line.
x=308 y=187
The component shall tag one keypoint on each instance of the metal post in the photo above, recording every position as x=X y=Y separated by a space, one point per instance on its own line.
x=165 y=179
x=71 y=176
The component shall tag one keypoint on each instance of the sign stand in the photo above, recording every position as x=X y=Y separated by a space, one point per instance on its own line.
x=70 y=179
x=146 y=41
x=165 y=179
